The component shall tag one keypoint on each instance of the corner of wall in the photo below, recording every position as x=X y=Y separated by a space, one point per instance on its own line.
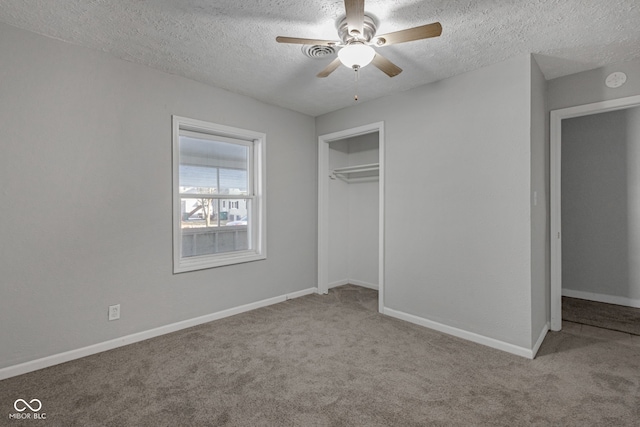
x=540 y=211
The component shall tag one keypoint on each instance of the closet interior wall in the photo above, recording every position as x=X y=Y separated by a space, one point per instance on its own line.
x=353 y=213
x=600 y=166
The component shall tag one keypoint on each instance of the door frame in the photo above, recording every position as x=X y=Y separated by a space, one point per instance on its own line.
x=323 y=204
x=556 y=191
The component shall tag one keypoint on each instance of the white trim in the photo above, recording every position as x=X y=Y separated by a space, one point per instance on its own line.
x=298 y=294
x=363 y=284
x=461 y=333
x=608 y=299
x=352 y=282
x=323 y=199
x=323 y=217
x=556 y=190
x=338 y=283
x=381 y=211
x=541 y=337
x=56 y=359
x=228 y=258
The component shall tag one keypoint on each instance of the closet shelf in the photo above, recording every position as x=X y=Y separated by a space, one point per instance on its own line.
x=356 y=173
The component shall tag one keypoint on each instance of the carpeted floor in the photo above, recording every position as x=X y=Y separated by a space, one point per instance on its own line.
x=334 y=361
x=608 y=316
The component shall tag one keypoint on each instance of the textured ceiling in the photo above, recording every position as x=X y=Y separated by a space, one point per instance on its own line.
x=231 y=43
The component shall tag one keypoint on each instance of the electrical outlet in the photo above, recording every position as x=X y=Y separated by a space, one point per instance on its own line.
x=114 y=312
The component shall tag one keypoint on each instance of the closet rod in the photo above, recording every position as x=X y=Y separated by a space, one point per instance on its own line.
x=358 y=168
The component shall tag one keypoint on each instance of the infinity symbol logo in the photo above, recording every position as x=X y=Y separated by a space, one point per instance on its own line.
x=27 y=405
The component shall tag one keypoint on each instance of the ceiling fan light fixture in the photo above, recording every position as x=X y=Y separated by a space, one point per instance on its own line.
x=356 y=55
x=357 y=32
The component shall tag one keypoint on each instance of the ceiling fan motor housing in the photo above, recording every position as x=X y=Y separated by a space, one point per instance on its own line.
x=368 y=31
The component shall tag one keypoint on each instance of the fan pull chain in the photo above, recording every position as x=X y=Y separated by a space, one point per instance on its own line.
x=357 y=70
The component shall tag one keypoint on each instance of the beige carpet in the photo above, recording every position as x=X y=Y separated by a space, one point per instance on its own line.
x=333 y=361
x=608 y=316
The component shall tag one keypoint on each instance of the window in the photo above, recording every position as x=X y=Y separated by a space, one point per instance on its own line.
x=215 y=168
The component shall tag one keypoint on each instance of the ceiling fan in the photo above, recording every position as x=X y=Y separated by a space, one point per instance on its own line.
x=357 y=33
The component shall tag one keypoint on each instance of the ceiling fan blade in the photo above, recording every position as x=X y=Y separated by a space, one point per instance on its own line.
x=386 y=66
x=355 y=16
x=330 y=68
x=310 y=42
x=416 y=33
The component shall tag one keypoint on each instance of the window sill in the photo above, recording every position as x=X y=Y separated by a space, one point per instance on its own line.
x=219 y=260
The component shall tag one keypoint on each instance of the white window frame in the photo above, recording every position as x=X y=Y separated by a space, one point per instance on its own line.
x=256 y=227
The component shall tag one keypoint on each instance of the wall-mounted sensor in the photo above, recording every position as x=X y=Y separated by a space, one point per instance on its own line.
x=616 y=79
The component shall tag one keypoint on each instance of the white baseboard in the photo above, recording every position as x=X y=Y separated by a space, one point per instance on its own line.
x=461 y=333
x=538 y=343
x=609 y=299
x=338 y=283
x=363 y=284
x=56 y=359
x=352 y=282
x=301 y=293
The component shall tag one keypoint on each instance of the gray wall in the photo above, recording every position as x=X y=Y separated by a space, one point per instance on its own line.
x=460 y=151
x=540 y=210
x=85 y=173
x=588 y=87
x=601 y=203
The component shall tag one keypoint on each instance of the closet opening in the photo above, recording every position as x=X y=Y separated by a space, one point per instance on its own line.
x=350 y=209
x=615 y=260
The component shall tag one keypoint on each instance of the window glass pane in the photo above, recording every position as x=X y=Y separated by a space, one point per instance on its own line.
x=198 y=179
x=208 y=228
x=236 y=213
x=199 y=213
x=233 y=181
x=213 y=167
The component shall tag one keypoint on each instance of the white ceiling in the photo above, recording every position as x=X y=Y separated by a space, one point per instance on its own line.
x=231 y=43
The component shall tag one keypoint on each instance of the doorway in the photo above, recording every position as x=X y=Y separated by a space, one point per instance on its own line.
x=332 y=173
x=557 y=116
